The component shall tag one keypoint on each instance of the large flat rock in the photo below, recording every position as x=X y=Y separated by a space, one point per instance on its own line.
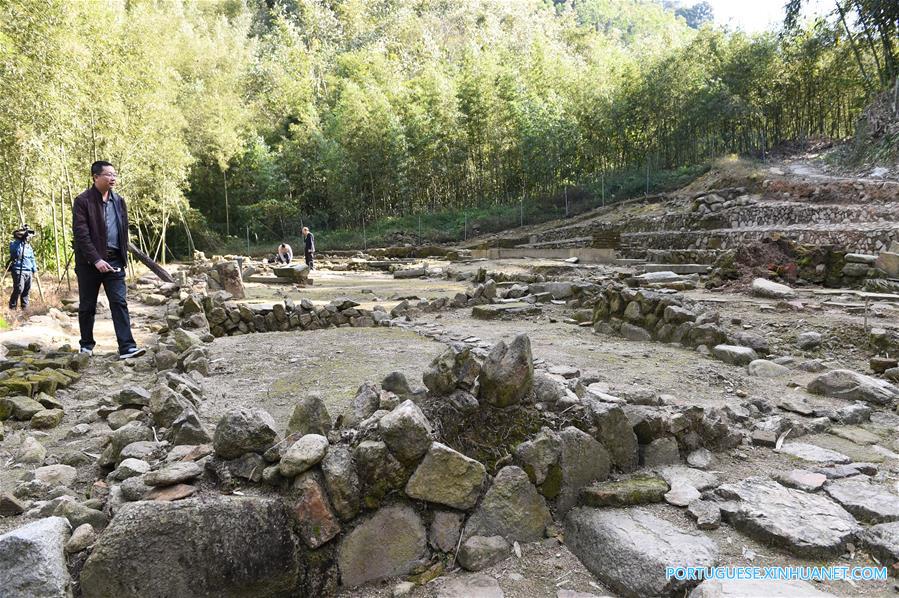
x=756 y=588
x=882 y=541
x=772 y=290
x=805 y=524
x=868 y=502
x=231 y=546
x=32 y=561
x=813 y=453
x=852 y=386
x=391 y=542
x=628 y=550
x=473 y=585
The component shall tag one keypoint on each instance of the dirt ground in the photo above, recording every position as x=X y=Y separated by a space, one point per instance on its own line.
x=270 y=371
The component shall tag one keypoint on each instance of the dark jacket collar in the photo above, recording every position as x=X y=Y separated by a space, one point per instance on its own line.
x=95 y=193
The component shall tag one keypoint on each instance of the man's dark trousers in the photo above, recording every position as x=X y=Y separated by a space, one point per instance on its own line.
x=21 y=288
x=309 y=260
x=89 y=281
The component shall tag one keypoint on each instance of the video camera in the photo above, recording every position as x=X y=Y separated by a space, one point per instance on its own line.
x=24 y=233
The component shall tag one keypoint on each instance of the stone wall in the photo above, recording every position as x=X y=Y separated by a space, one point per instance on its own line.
x=397 y=489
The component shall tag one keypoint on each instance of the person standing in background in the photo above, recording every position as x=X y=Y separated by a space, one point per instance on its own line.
x=22 y=265
x=309 y=247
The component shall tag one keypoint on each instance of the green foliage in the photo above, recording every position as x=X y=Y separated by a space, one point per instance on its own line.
x=258 y=116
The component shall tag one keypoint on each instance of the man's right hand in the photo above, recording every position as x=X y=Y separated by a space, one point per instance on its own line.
x=103 y=266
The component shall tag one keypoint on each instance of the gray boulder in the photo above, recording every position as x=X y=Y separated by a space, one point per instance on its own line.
x=390 y=543
x=396 y=383
x=511 y=508
x=242 y=431
x=549 y=388
x=231 y=546
x=753 y=588
x=124 y=436
x=447 y=477
x=133 y=395
x=772 y=290
x=310 y=416
x=473 y=585
x=173 y=473
x=583 y=461
x=445 y=529
x=303 y=454
x=454 y=368
x=479 y=552
x=882 y=541
x=341 y=481
x=735 y=355
x=808 y=525
x=406 y=431
x=187 y=429
x=615 y=432
x=539 y=455
x=507 y=375
x=628 y=550
x=661 y=451
x=33 y=562
x=762 y=368
x=869 y=502
x=366 y=401
x=380 y=474
x=852 y=386
x=166 y=405
x=808 y=340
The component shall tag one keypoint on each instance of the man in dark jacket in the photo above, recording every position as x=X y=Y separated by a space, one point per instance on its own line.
x=22 y=267
x=100 y=226
x=309 y=247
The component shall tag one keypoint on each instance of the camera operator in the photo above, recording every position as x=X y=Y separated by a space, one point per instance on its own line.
x=22 y=265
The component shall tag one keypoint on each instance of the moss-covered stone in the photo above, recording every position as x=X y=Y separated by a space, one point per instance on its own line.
x=638 y=490
x=55 y=364
x=18 y=386
x=21 y=408
x=429 y=574
x=42 y=383
x=47 y=418
x=61 y=379
x=552 y=485
x=72 y=375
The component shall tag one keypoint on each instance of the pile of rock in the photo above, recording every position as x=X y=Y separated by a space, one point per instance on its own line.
x=722 y=199
x=640 y=314
x=29 y=380
x=383 y=477
x=221 y=273
x=226 y=317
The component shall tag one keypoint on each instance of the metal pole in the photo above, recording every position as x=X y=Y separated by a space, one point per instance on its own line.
x=248 y=239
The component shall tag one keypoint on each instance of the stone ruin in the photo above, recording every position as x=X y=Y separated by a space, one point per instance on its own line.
x=400 y=489
x=492 y=452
